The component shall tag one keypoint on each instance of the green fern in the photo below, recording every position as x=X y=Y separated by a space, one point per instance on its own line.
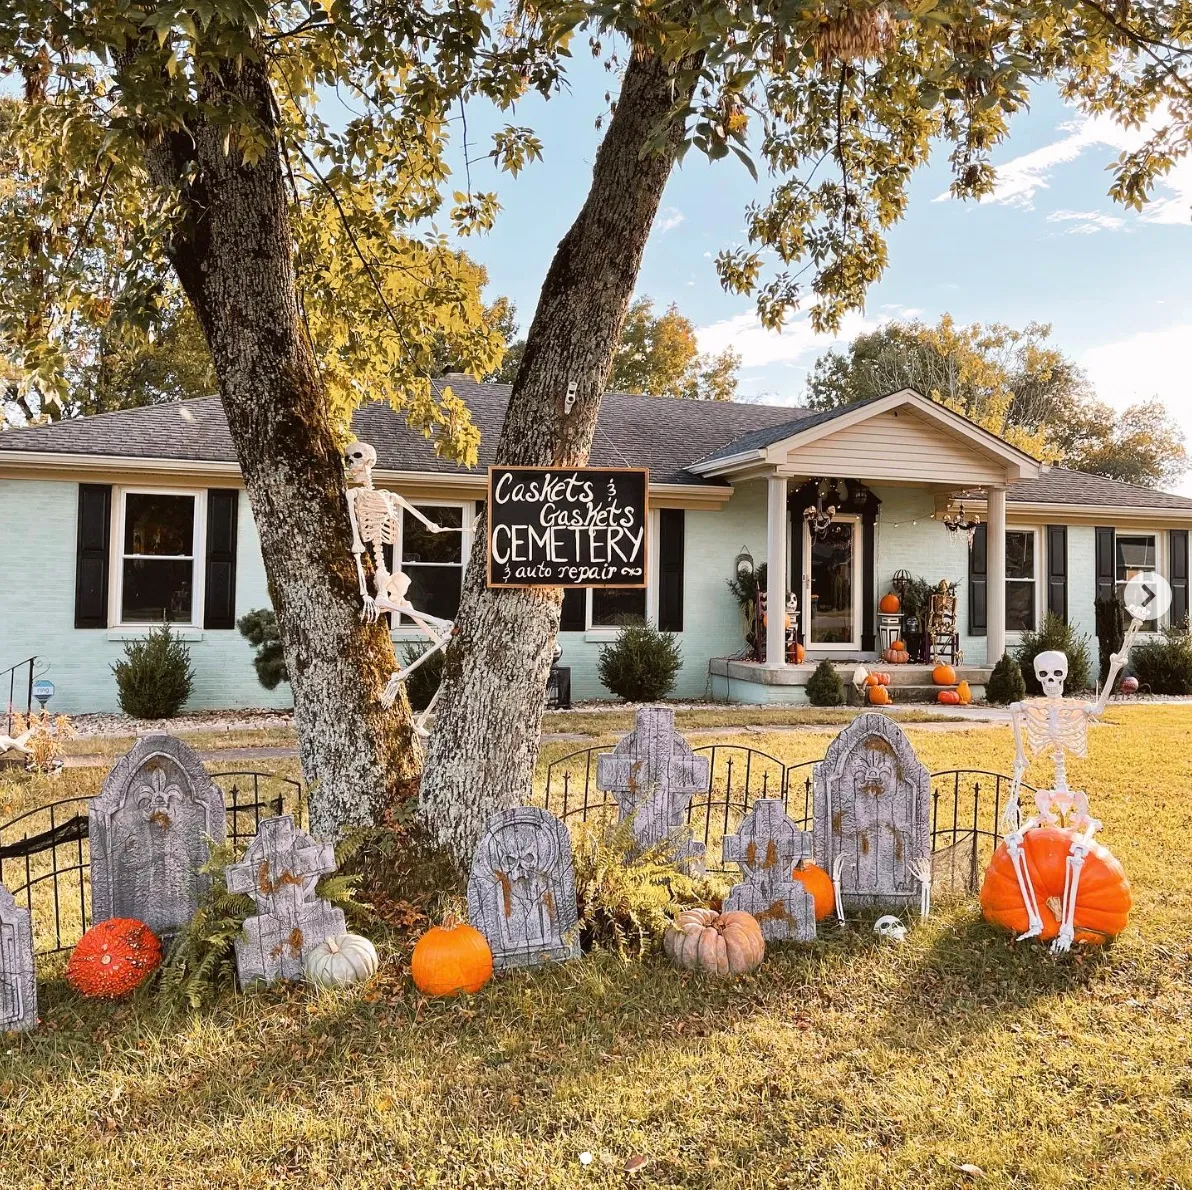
x=626 y=896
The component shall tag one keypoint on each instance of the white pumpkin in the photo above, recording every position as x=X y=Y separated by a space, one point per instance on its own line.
x=341 y=960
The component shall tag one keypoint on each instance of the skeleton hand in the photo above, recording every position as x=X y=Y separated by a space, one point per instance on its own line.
x=370 y=614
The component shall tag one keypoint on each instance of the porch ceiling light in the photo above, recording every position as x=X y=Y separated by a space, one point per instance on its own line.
x=818 y=517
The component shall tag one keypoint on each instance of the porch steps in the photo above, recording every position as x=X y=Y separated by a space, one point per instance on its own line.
x=912 y=683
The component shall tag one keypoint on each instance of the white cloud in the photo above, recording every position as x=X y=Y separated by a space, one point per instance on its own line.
x=1086 y=222
x=795 y=344
x=668 y=220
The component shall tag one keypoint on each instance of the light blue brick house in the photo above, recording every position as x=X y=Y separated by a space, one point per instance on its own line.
x=110 y=522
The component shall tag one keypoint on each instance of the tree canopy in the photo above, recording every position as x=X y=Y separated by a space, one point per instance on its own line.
x=1013 y=382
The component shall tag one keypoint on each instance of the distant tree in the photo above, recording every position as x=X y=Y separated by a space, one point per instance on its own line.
x=1012 y=382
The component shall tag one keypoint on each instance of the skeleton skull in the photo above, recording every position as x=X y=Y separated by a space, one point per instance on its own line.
x=889 y=929
x=1051 y=668
x=360 y=459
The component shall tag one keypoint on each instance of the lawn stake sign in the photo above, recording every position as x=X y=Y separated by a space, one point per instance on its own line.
x=567 y=527
x=18 y=981
x=521 y=891
x=653 y=774
x=767 y=848
x=149 y=828
x=872 y=802
x=279 y=872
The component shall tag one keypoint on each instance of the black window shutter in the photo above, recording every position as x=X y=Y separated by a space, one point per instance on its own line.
x=978 y=571
x=220 y=599
x=671 y=526
x=1106 y=562
x=574 y=616
x=91 y=558
x=1057 y=571
x=1178 y=540
x=868 y=579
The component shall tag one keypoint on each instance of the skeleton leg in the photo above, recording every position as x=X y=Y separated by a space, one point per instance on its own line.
x=1079 y=849
x=1018 y=859
x=421 y=718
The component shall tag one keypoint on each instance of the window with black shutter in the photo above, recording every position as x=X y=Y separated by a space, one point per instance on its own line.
x=671 y=532
x=91 y=557
x=220 y=588
x=1178 y=541
x=1057 y=571
x=978 y=571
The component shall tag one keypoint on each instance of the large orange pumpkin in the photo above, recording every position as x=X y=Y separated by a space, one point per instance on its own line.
x=451 y=958
x=948 y=697
x=943 y=675
x=889 y=604
x=817 y=882
x=879 y=696
x=114 y=957
x=1103 y=899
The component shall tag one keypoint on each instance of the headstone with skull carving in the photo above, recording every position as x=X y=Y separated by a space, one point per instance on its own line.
x=872 y=800
x=149 y=827
x=521 y=891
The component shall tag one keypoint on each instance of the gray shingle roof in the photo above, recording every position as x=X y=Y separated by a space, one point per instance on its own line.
x=665 y=435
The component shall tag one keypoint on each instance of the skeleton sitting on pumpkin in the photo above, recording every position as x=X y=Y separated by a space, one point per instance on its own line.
x=376 y=522
x=1055 y=725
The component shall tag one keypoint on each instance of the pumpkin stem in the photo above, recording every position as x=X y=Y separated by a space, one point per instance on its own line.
x=332 y=946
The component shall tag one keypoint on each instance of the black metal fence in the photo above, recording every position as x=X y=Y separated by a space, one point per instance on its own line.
x=26 y=671
x=45 y=858
x=965 y=812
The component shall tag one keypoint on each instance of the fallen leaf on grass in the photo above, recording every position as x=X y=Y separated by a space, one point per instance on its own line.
x=636 y=1162
x=973 y=1171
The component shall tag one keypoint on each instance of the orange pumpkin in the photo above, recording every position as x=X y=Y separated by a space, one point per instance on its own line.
x=879 y=696
x=883 y=679
x=817 y=882
x=943 y=675
x=965 y=692
x=113 y=958
x=896 y=656
x=889 y=604
x=798 y=651
x=898 y=644
x=872 y=680
x=451 y=958
x=948 y=697
x=1103 y=899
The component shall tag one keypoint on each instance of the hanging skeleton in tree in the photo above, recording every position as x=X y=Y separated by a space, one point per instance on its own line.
x=1056 y=726
x=376 y=523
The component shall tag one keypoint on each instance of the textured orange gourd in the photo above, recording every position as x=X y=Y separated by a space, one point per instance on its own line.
x=890 y=603
x=817 y=882
x=113 y=958
x=896 y=656
x=451 y=958
x=943 y=675
x=879 y=696
x=714 y=943
x=948 y=698
x=883 y=679
x=964 y=693
x=1103 y=899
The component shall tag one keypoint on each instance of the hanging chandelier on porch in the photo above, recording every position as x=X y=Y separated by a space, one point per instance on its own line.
x=819 y=518
x=958 y=522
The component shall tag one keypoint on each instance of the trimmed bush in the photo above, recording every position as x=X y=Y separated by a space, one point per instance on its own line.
x=1005 y=684
x=259 y=628
x=155 y=677
x=641 y=664
x=824 y=687
x=1164 y=665
x=1055 y=634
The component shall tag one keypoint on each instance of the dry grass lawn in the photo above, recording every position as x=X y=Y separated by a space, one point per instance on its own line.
x=958 y=1058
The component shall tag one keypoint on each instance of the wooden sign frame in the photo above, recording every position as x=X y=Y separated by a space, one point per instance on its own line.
x=644 y=472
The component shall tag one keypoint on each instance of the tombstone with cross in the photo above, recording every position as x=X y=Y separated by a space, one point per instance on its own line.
x=279 y=872
x=767 y=848
x=18 y=980
x=653 y=774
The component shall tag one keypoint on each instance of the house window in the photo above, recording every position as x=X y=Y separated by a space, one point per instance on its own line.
x=1135 y=555
x=610 y=607
x=158 y=540
x=1020 y=581
x=434 y=562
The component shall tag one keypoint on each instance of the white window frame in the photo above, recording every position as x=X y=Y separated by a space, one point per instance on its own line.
x=854 y=645
x=403 y=632
x=1016 y=634
x=603 y=632
x=117 y=556
x=1159 y=537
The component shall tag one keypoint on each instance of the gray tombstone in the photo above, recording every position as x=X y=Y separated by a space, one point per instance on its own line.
x=653 y=774
x=521 y=891
x=279 y=871
x=872 y=802
x=767 y=848
x=149 y=827
x=18 y=980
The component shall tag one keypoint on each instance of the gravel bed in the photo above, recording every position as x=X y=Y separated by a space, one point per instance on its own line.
x=113 y=723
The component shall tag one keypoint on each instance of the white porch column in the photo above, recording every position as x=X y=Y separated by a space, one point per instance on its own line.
x=995 y=576
x=776 y=569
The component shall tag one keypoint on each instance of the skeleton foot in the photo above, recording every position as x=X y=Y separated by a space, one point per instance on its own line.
x=389 y=694
x=1063 y=943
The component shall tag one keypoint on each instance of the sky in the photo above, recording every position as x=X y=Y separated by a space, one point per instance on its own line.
x=1048 y=246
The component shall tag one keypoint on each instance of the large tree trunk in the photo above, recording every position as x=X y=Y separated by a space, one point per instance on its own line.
x=232 y=254
x=484 y=747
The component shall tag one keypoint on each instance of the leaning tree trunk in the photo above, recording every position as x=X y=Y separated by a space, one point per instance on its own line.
x=233 y=256
x=484 y=748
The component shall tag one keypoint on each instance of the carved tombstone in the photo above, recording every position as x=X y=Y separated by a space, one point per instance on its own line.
x=521 y=891
x=653 y=775
x=872 y=802
x=18 y=981
x=149 y=828
x=279 y=871
x=767 y=848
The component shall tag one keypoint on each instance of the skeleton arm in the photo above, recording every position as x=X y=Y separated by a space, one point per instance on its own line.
x=1012 y=816
x=401 y=502
x=1117 y=662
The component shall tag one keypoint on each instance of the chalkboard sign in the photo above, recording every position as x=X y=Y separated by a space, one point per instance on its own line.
x=567 y=526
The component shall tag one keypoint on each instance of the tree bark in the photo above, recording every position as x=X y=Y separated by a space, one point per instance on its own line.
x=484 y=748
x=232 y=253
